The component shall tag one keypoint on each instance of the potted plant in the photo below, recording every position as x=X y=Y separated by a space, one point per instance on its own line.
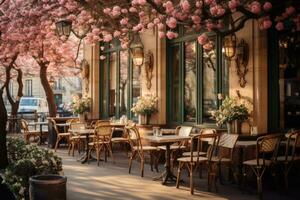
x=231 y=110
x=81 y=106
x=145 y=107
x=27 y=162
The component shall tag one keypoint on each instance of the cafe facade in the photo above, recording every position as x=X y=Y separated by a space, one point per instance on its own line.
x=191 y=81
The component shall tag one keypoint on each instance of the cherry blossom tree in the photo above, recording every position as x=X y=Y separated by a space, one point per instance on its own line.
x=117 y=18
x=28 y=29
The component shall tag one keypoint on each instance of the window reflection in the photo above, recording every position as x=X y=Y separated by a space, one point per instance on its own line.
x=209 y=82
x=190 y=82
x=175 y=85
x=105 y=86
x=136 y=85
x=112 y=84
x=123 y=82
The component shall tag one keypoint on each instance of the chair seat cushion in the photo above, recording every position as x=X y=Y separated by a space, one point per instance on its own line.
x=194 y=153
x=119 y=139
x=147 y=148
x=33 y=133
x=222 y=160
x=253 y=162
x=172 y=147
x=189 y=159
x=289 y=158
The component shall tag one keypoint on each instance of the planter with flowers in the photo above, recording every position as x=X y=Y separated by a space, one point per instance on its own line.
x=231 y=112
x=26 y=161
x=145 y=107
x=81 y=106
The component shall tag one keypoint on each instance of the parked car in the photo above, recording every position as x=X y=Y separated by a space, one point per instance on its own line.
x=33 y=104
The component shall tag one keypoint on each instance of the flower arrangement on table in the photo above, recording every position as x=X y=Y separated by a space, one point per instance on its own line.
x=26 y=161
x=231 y=110
x=145 y=106
x=81 y=105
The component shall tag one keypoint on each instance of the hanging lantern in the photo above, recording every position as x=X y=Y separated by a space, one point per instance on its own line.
x=63 y=28
x=229 y=46
x=137 y=50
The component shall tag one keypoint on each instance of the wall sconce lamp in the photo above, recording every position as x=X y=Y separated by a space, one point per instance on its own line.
x=229 y=46
x=137 y=50
x=240 y=54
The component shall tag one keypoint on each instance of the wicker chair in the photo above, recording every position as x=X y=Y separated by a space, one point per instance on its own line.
x=178 y=147
x=60 y=136
x=75 y=140
x=225 y=141
x=138 y=149
x=192 y=162
x=102 y=141
x=265 y=145
x=28 y=133
x=290 y=157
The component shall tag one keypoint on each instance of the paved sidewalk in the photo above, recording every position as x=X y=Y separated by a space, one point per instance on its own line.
x=111 y=181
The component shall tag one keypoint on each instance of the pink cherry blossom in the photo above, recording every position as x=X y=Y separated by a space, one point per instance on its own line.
x=171 y=35
x=107 y=38
x=255 y=7
x=203 y=39
x=172 y=22
x=279 y=26
x=196 y=19
x=132 y=9
x=124 y=21
x=266 y=24
x=169 y=7
x=185 y=5
x=161 y=34
x=158 y=2
x=267 y=6
x=290 y=10
x=117 y=34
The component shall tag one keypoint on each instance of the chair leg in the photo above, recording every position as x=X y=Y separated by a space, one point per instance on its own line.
x=110 y=152
x=56 y=143
x=142 y=167
x=191 y=180
x=178 y=174
x=130 y=160
x=151 y=161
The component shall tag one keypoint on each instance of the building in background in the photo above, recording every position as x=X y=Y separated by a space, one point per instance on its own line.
x=63 y=88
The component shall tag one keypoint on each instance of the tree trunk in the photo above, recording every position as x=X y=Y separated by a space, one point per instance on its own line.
x=3 y=121
x=47 y=89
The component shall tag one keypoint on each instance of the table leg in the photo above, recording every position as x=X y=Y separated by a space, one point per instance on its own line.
x=85 y=159
x=167 y=175
x=240 y=166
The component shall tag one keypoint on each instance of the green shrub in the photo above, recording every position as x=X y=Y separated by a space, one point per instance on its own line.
x=26 y=161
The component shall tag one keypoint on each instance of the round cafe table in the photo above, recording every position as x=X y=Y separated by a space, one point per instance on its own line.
x=86 y=133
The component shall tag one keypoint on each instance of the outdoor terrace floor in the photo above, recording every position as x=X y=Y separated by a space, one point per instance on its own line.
x=112 y=181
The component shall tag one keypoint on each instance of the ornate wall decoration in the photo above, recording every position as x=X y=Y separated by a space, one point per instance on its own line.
x=149 y=61
x=241 y=60
x=85 y=74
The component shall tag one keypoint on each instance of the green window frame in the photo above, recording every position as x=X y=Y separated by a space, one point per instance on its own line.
x=221 y=80
x=104 y=78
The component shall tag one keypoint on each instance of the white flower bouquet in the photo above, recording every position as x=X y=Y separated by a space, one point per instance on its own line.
x=81 y=105
x=146 y=105
x=230 y=110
